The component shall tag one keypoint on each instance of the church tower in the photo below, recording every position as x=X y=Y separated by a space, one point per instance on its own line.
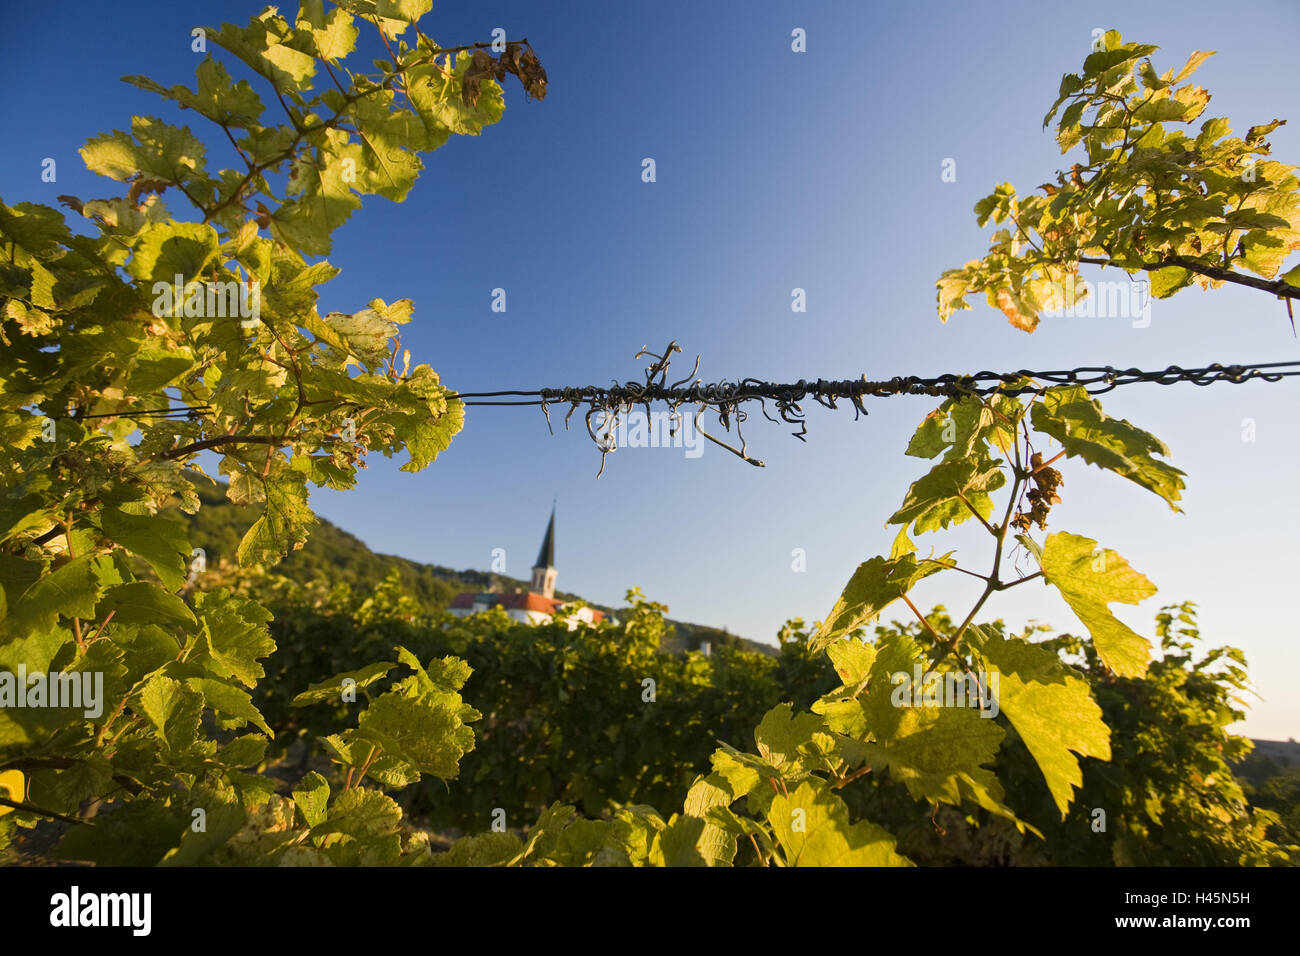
x=544 y=572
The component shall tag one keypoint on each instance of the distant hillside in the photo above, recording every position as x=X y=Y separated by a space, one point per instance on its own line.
x=333 y=555
x=1285 y=752
x=1268 y=759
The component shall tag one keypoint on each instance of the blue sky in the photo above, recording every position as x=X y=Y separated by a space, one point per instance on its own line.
x=775 y=170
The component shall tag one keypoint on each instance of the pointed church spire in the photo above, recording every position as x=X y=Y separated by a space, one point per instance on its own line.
x=544 y=572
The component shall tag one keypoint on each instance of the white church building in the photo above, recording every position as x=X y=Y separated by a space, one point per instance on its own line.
x=538 y=605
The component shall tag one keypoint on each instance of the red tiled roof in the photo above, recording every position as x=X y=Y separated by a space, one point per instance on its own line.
x=516 y=601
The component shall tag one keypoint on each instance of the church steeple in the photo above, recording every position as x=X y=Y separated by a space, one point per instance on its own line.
x=544 y=572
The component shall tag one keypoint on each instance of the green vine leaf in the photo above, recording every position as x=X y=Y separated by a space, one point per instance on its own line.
x=948 y=493
x=217 y=97
x=283 y=524
x=70 y=591
x=1076 y=420
x=874 y=585
x=234 y=636
x=140 y=602
x=430 y=732
x=332 y=689
x=1144 y=196
x=152 y=151
x=162 y=543
x=311 y=797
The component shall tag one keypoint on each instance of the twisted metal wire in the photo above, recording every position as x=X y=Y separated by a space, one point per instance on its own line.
x=606 y=405
x=725 y=398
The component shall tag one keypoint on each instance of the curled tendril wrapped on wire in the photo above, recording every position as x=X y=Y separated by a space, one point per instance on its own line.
x=612 y=404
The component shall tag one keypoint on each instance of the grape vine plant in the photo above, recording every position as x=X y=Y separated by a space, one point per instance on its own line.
x=216 y=314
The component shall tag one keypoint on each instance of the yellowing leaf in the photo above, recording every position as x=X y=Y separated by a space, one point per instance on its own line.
x=1016 y=310
x=12 y=787
x=1193 y=62
x=813 y=829
x=1050 y=707
x=1089 y=579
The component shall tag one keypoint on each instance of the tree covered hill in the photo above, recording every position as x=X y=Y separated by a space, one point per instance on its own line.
x=335 y=556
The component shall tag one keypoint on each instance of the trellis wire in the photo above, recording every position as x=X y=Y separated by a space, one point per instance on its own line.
x=725 y=398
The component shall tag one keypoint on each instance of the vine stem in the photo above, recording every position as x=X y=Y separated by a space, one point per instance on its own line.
x=966 y=501
x=374 y=752
x=1048 y=462
x=921 y=617
x=223 y=440
x=845 y=781
x=99 y=737
x=954 y=567
x=102 y=626
x=1279 y=287
x=30 y=808
x=992 y=582
x=1003 y=585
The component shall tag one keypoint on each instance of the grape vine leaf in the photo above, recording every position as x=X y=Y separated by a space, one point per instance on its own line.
x=223 y=817
x=482 y=849
x=812 y=826
x=283 y=524
x=334 y=37
x=217 y=97
x=70 y=591
x=677 y=844
x=1090 y=578
x=1049 y=705
x=960 y=427
x=332 y=688
x=852 y=660
x=360 y=814
x=174 y=710
x=154 y=150
x=226 y=699
x=311 y=797
x=138 y=832
x=246 y=751
x=161 y=542
x=948 y=493
x=874 y=585
x=430 y=732
x=1075 y=419
x=781 y=734
x=140 y=602
x=234 y=636
x=716 y=846
x=938 y=753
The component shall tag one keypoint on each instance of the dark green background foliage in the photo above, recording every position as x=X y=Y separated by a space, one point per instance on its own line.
x=564 y=720
x=563 y=711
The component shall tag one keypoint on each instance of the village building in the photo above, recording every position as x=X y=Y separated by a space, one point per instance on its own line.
x=537 y=605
